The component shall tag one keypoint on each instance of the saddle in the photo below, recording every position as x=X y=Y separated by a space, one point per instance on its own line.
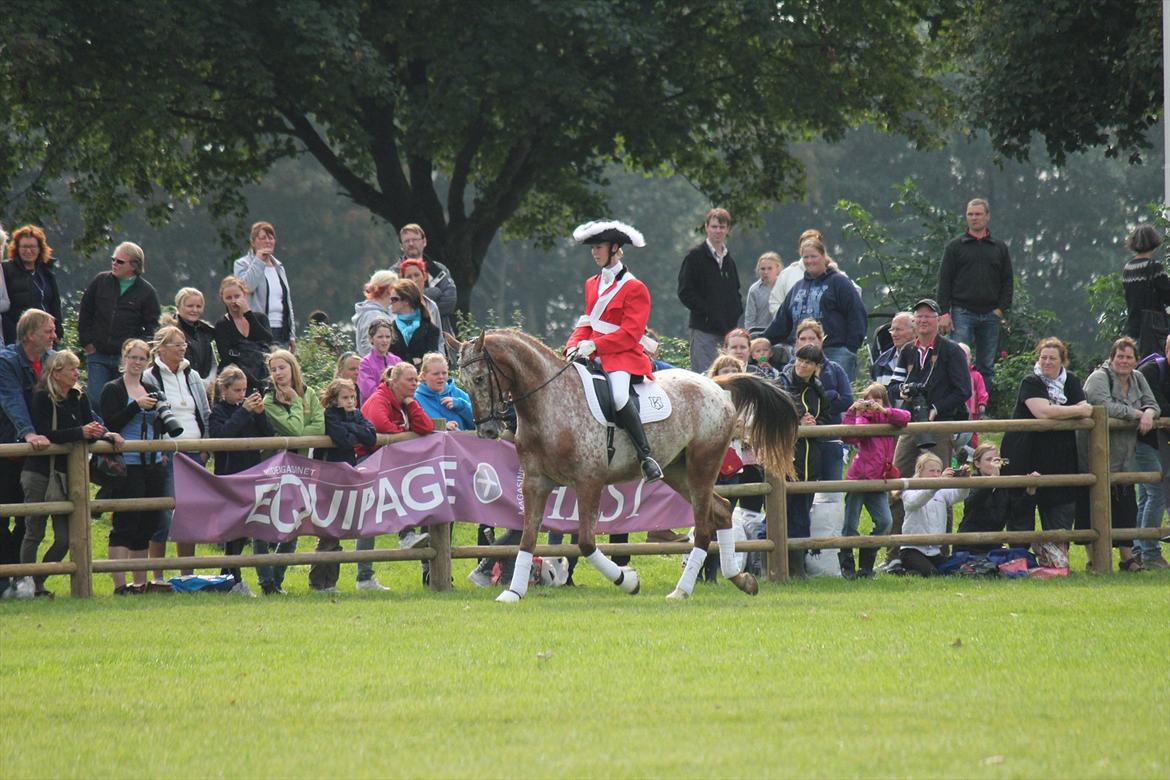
x=651 y=401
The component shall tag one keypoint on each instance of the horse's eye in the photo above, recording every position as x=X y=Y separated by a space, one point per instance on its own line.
x=478 y=380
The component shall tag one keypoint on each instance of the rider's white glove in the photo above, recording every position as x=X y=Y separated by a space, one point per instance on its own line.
x=585 y=348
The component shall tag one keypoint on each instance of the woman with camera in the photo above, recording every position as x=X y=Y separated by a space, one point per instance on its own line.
x=128 y=407
x=183 y=413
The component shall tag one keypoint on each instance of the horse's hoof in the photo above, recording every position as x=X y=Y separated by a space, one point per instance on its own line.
x=746 y=582
x=677 y=596
x=508 y=597
x=629 y=582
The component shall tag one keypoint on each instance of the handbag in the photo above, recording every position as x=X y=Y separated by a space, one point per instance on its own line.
x=107 y=469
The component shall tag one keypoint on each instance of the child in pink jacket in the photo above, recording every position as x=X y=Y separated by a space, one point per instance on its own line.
x=874 y=459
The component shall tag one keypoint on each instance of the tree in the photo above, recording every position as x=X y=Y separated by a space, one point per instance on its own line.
x=465 y=117
x=1081 y=73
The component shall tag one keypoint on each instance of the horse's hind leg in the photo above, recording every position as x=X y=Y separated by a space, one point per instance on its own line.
x=536 y=491
x=676 y=476
x=588 y=504
x=728 y=563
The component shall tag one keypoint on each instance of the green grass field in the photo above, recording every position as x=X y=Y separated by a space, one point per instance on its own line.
x=825 y=678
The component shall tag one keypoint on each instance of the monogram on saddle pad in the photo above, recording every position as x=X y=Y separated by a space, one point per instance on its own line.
x=651 y=401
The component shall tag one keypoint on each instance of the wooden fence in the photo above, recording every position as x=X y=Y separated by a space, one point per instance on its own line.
x=81 y=566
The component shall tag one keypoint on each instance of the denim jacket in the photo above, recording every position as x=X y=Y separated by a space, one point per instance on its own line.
x=16 y=388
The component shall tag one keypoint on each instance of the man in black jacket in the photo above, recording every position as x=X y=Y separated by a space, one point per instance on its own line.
x=1153 y=454
x=118 y=305
x=708 y=285
x=975 y=288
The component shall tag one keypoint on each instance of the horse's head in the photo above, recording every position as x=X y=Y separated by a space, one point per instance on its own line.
x=480 y=378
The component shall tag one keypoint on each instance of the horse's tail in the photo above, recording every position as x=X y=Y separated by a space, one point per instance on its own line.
x=772 y=419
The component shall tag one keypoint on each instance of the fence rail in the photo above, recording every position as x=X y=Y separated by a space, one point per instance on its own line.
x=81 y=567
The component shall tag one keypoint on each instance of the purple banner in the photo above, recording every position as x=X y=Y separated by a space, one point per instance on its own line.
x=440 y=478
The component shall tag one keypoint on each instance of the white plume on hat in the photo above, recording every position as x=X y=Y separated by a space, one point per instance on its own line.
x=609 y=231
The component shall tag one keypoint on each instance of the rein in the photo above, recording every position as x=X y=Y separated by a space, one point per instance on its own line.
x=501 y=403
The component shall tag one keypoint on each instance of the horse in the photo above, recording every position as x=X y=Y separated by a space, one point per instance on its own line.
x=560 y=443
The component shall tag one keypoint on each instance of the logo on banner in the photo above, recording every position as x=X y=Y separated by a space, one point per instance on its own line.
x=487 y=483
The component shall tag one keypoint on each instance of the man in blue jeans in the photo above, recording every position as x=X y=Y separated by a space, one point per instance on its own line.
x=975 y=288
x=1153 y=454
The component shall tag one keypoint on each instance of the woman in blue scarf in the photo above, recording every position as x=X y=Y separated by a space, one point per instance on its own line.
x=439 y=397
x=414 y=333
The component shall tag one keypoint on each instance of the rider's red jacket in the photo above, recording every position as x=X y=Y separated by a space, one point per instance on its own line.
x=629 y=310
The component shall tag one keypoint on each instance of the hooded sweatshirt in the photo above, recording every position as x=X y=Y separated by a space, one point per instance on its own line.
x=432 y=404
x=364 y=314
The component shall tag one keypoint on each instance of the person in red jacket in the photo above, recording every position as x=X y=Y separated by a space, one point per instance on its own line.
x=392 y=408
x=617 y=309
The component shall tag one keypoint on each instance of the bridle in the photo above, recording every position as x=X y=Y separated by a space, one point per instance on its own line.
x=502 y=403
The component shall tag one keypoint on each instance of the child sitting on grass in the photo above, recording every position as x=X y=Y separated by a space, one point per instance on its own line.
x=986 y=509
x=875 y=460
x=347 y=428
x=926 y=513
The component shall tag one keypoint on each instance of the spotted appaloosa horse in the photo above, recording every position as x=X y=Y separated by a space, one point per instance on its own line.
x=560 y=443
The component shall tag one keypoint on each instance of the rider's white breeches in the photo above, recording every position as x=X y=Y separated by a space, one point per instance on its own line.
x=619 y=385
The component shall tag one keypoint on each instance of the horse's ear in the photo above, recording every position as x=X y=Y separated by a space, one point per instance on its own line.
x=453 y=343
x=479 y=341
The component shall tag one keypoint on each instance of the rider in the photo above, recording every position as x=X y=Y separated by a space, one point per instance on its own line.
x=618 y=308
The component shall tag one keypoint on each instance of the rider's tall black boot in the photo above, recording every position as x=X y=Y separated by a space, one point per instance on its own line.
x=627 y=418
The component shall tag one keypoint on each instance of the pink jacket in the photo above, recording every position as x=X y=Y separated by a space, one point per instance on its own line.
x=370 y=371
x=874 y=452
x=978 y=394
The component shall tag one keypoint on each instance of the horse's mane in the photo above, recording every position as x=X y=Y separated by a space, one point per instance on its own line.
x=529 y=340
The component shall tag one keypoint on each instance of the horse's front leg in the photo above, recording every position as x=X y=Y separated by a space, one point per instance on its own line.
x=588 y=506
x=536 y=489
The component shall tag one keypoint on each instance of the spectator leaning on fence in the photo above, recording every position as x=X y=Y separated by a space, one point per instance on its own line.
x=1147 y=291
x=1126 y=395
x=264 y=276
x=439 y=397
x=21 y=365
x=119 y=304
x=1050 y=392
x=127 y=407
x=188 y=317
x=237 y=415
x=61 y=412
x=186 y=395
x=1153 y=454
x=376 y=306
x=293 y=409
x=975 y=285
x=347 y=428
x=29 y=279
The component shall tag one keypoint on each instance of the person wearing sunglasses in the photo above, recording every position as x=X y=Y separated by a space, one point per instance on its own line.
x=119 y=304
x=415 y=334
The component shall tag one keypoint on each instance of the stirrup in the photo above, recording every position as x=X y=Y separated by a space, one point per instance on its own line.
x=651 y=471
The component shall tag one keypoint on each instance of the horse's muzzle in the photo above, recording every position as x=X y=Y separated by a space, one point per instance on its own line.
x=490 y=430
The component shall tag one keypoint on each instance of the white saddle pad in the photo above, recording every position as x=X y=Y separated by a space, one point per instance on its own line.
x=653 y=402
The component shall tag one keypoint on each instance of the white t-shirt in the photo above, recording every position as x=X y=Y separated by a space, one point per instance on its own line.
x=178 y=394
x=275 y=298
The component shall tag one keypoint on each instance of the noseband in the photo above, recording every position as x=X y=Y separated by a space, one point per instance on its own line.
x=501 y=403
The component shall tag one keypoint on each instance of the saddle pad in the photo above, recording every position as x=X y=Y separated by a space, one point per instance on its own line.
x=653 y=402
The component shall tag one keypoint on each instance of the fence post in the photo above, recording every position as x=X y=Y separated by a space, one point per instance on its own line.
x=80 y=552
x=1100 y=512
x=776 y=519
x=441 y=564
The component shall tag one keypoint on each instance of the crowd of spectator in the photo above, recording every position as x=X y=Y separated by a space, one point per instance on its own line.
x=153 y=374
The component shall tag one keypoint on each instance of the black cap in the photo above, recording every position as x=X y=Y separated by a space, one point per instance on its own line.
x=928 y=302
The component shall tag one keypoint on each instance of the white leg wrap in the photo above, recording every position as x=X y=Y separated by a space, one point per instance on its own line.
x=522 y=573
x=686 y=583
x=610 y=570
x=728 y=565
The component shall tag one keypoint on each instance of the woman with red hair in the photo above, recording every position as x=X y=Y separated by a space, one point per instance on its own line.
x=28 y=276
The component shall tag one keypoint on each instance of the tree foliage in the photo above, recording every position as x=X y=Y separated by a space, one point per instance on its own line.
x=1080 y=73
x=466 y=117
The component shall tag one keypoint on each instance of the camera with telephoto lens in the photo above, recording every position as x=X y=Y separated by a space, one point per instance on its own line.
x=166 y=415
x=919 y=409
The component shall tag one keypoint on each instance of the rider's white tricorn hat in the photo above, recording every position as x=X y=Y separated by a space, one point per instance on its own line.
x=607 y=232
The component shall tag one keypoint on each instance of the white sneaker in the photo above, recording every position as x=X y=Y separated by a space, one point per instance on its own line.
x=560 y=571
x=480 y=579
x=370 y=584
x=241 y=589
x=413 y=540
x=25 y=589
x=892 y=563
x=330 y=589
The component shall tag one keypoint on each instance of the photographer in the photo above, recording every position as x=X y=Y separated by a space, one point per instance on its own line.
x=932 y=379
x=183 y=412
